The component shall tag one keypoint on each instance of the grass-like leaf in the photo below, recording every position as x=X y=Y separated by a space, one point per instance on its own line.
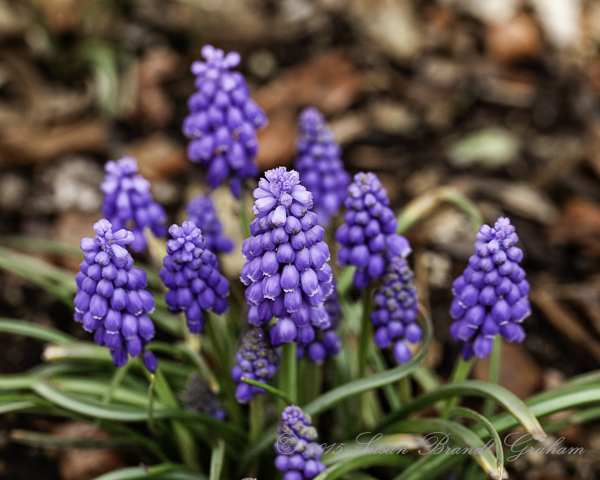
x=216 y=460
x=364 y=460
x=32 y=330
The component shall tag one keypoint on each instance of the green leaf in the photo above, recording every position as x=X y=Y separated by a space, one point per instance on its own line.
x=481 y=389
x=473 y=415
x=45 y=440
x=216 y=460
x=268 y=388
x=373 y=444
x=32 y=330
x=165 y=471
x=455 y=432
x=364 y=460
x=371 y=382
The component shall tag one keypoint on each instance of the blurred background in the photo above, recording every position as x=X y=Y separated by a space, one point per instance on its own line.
x=499 y=99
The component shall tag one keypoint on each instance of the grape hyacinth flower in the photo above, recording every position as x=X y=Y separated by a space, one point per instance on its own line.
x=395 y=310
x=327 y=343
x=128 y=202
x=286 y=269
x=223 y=121
x=490 y=297
x=111 y=300
x=368 y=235
x=256 y=360
x=198 y=397
x=298 y=454
x=201 y=211
x=319 y=164
x=191 y=273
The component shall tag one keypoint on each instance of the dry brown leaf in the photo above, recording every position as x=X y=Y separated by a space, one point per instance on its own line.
x=158 y=156
x=27 y=144
x=578 y=223
x=564 y=320
x=277 y=141
x=514 y=40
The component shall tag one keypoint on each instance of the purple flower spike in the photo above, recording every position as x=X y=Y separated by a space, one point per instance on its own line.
x=223 y=121
x=326 y=343
x=128 y=202
x=199 y=398
x=319 y=164
x=286 y=271
x=368 y=239
x=111 y=301
x=298 y=453
x=256 y=360
x=395 y=310
x=201 y=211
x=191 y=273
x=490 y=297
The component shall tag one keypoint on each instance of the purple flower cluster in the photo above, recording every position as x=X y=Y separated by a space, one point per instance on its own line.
x=299 y=457
x=327 y=343
x=368 y=235
x=223 y=120
x=286 y=267
x=128 y=202
x=198 y=397
x=191 y=273
x=490 y=297
x=256 y=360
x=111 y=300
x=319 y=164
x=201 y=211
x=395 y=310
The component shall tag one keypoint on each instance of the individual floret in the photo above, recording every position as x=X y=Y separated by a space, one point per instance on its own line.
x=223 y=121
x=490 y=297
x=191 y=273
x=111 y=300
x=368 y=236
x=128 y=202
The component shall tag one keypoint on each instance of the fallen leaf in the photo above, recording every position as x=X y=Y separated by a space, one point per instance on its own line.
x=491 y=147
x=159 y=156
x=578 y=223
x=514 y=40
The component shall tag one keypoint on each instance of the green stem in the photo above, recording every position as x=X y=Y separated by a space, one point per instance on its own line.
x=151 y=423
x=268 y=388
x=312 y=380
x=116 y=380
x=488 y=408
x=289 y=371
x=244 y=218
x=460 y=373
x=257 y=405
x=365 y=332
x=405 y=390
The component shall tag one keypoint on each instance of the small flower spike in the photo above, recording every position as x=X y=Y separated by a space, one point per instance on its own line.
x=257 y=360
x=111 y=300
x=368 y=239
x=201 y=211
x=395 y=310
x=299 y=456
x=286 y=271
x=223 y=121
x=191 y=273
x=128 y=202
x=319 y=164
x=490 y=297
x=198 y=397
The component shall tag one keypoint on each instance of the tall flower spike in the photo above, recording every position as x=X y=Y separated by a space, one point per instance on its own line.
x=395 y=310
x=257 y=360
x=286 y=267
x=490 y=297
x=128 y=202
x=198 y=397
x=319 y=164
x=327 y=343
x=111 y=300
x=368 y=235
x=299 y=454
x=201 y=211
x=223 y=121
x=191 y=273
